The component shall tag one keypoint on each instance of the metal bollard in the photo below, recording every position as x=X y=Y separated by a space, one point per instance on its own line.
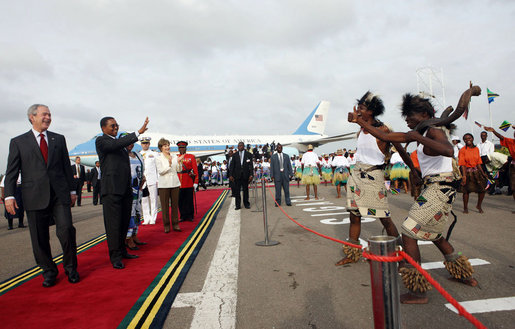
x=267 y=242
x=256 y=196
x=385 y=284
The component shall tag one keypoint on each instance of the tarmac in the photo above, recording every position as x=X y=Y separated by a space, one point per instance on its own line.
x=234 y=283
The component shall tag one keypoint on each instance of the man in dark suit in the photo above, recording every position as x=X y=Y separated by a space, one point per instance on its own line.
x=48 y=191
x=96 y=176
x=79 y=176
x=280 y=172
x=241 y=174
x=116 y=186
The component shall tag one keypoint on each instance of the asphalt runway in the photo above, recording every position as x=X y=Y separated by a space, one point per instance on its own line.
x=295 y=284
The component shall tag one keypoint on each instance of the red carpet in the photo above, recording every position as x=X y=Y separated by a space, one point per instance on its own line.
x=104 y=296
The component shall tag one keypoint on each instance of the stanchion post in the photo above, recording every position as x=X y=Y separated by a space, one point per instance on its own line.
x=256 y=196
x=385 y=285
x=267 y=242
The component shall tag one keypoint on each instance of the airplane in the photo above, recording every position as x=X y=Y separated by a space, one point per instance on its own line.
x=311 y=131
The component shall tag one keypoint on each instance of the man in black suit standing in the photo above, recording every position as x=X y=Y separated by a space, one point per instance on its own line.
x=96 y=176
x=241 y=174
x=116 y=186
x=280 y=172
x=48 y=191
x=79 y=176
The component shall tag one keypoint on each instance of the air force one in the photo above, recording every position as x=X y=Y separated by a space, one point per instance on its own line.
x=311 y=131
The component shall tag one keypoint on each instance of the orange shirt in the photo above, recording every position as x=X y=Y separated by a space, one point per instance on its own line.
x=469 y=157
x=510 y=144
x=414 y=159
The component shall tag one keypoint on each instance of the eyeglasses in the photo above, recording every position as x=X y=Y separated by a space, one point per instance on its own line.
x=114 y=125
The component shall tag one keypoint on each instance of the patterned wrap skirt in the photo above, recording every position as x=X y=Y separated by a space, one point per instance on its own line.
x=428 y=216
x=366 y=193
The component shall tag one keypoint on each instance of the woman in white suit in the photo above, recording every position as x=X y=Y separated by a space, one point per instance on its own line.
x=168 y=184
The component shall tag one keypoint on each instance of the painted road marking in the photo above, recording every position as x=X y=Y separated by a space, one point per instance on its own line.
x=326 y=208
x=215 y=305
x=320 y=203
x=331 y=214
x=435 y=265
x=340 y=221
x=486 y=305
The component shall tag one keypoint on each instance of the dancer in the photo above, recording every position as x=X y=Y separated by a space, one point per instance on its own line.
x=310 y=171
x=327 y=170
x=473 y=177
x=367 y=194
x=340 y=166
x=427 y=218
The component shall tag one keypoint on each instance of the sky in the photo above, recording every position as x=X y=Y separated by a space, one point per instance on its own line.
x=245 y=67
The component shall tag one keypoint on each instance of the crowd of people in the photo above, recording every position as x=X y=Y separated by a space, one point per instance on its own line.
x=131 y=186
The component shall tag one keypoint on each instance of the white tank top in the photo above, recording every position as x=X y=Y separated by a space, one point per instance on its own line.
x=432 y=165
x=367 y=150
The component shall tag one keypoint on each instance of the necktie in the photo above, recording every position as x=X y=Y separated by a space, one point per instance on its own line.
x=281 y=161
x=43 y=146
x=78 y=171
x=241 y=158
x=99 y=174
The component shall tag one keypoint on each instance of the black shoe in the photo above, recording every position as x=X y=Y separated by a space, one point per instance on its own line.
x=288 y=204
x=49 y=282
x=129 y=256
x=118 y=265
x=247 y=207
x=73 y=277
x=9 y=228
x=21 y=226
x=237 y=208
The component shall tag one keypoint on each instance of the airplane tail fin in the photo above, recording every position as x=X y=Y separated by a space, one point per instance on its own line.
x=315 y=122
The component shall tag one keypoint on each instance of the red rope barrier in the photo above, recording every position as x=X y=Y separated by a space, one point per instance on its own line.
x=400 y=256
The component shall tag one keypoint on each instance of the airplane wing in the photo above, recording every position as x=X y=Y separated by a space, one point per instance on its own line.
x=325 y=140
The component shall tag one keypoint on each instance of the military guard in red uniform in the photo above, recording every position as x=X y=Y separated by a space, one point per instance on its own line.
x=189 y=182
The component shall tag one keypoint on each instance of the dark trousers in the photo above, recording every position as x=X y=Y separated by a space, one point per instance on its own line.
x=117 y=214
x=89 y=186
x=241 y=184
x=186 y=206
x=169 y=197
x=78 y=190
x=284 y=184
x=39 y=223
x=97 y=193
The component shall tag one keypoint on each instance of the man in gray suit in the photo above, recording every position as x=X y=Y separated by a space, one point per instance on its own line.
x=280 y=172
x=48 y=191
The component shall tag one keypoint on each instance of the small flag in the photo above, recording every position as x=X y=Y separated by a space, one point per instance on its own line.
x=496 y=176
x=319 y=117
x=395 y=191
x=505 y=125
x=491 y=95
x=478 y=124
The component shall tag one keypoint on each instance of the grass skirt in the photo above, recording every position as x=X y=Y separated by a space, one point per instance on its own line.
x=310 y=175
x=327 y=174
x=341 y=176
x=399 y=171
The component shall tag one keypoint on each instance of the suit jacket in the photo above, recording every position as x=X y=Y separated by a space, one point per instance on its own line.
x=115 y=164
x=94 y=176
x=37 y=176
x=275 y=168
x=237 y=170
x=82 y=177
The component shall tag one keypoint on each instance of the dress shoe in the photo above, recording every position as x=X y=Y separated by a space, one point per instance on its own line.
x=237 y=208
x=167 y=230
x=10 y=228
x=118 y=265
x=73 y=277
x=129 y=256
x=288 y=204
x=247 y=207
x=21 y=226
x=133 y=248
x=177 y=229
x=49 y=282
